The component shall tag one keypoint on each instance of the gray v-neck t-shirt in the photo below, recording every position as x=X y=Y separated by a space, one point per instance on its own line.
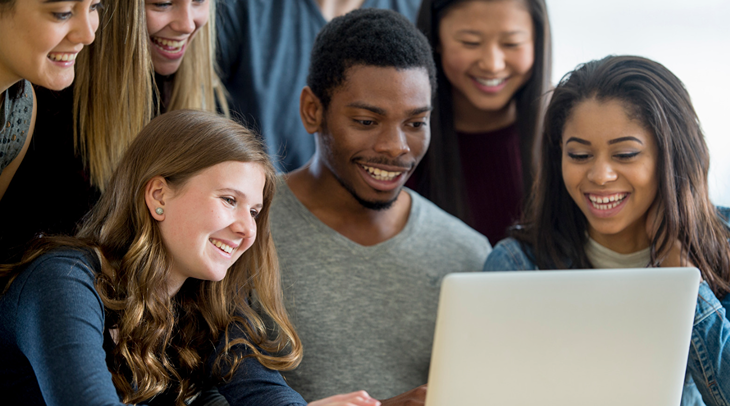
x=366 y=314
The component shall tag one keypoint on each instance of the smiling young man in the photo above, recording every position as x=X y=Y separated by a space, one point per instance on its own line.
x=361 y=256
x=264 y=49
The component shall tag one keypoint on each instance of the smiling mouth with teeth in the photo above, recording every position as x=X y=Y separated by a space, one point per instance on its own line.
x=221 y=246
x=607 y=202
x=490 y=82
x=62 y=57
x=167 y=45
x=379 y=174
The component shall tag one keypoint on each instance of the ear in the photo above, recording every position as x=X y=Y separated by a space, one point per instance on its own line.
x=311 y=110
x=155 y=193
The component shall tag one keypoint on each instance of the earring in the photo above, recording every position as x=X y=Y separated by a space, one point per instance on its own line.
x=159 y=210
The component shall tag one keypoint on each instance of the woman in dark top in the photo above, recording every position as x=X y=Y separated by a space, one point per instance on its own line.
x=45 y=59
x=123 y=80
x=493 y=61
x=154 y=297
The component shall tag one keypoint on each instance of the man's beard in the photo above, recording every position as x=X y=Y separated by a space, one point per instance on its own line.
x=368 y=204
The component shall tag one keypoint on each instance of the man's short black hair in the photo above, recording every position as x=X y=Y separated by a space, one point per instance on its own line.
x=368 y=37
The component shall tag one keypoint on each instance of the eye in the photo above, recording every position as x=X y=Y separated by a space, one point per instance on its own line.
x=254 y=213
x=97 y=7
x=231 y=201
x=470 y=44
x=627 y=155
x=366 y=123
x=579 y=157
x=62 y=16
x=162 y=4
x=418 y=124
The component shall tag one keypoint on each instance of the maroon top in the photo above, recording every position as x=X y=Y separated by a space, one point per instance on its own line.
x=492 y=170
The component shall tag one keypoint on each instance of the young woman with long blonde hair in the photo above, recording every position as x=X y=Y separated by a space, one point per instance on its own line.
x=149 y=57
x=46 y=60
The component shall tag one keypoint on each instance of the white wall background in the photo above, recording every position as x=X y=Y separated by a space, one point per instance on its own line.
x=690 y=37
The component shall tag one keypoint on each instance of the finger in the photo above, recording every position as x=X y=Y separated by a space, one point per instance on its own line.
x=358 y=398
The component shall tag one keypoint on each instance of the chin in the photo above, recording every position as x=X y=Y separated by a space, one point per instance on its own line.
x=218 y=278
x=167 y=69
x=377 y=204
x=492 y=105
x=607 y=229
x=56 y=84
x=214 y=276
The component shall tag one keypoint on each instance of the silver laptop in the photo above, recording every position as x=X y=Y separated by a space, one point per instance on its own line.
x=563 y=338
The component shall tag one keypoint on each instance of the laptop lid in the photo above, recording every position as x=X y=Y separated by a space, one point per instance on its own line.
x=567 y=338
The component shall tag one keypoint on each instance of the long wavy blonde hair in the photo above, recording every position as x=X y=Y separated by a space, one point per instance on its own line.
x=163 y=343
x=115 y=93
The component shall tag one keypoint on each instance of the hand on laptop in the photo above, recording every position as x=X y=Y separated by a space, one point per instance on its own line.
x=359 y=398
x=413 y=397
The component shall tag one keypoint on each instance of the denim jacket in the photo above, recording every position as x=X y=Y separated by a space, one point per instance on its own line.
x=707 y=381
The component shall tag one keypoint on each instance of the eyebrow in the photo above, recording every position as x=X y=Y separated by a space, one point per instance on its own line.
x=578 y=140
x=61 y=1
x=472 y=32
x=622 y=139
x=610 y=142
x=382 y=112
x=368 y=107
x=477 y=32
x=419 y=110
x=239 y=194
x=515 y=32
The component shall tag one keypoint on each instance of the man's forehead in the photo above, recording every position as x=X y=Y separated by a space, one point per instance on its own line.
x=384 y=88
x=355 y=71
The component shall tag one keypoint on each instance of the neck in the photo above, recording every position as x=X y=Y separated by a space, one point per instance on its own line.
x=335 y=8
x=174 y=284
x=7 y=79
x=470 y=119
x=321 y=193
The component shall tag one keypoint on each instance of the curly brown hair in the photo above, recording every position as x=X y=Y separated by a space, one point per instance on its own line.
x=162 y=343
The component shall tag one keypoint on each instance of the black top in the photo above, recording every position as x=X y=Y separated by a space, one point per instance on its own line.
x=50 y=191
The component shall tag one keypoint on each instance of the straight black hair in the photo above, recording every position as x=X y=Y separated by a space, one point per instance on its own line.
x=439 y=174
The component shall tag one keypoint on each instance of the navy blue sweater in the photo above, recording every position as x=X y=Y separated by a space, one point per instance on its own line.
x=52 y=337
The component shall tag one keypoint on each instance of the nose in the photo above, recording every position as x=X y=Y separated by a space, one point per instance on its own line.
x=84 y=28
x=183 y=21
x=601 y=172
x=392 y=142
x=492 y=59
x=244 y=225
